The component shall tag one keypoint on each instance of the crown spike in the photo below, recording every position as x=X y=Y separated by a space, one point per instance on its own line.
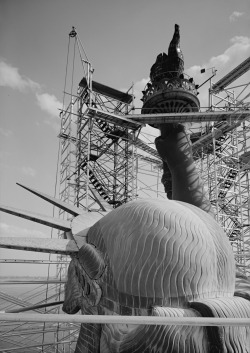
x=45 y=220
x=75 y=211
x=52 y=246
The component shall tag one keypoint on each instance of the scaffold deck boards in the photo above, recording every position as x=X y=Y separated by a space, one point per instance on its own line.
x=119 y=120
x=166 y=118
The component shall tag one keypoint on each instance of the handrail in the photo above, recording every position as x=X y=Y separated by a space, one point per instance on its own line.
x=134 y=320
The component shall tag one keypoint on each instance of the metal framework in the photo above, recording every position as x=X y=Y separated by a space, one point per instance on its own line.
x=222 y=154
x=104 y=148
x=103 y=162
x=106 y=159
x=112 y=159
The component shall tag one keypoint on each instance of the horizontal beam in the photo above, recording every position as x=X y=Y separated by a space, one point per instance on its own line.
x=55 y=281
x=33 y=262
x=107 y=91
x=193 y=117
x=120 y=120
x=133 y=320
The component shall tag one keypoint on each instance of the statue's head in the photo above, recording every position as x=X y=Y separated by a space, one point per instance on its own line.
x=152 y=252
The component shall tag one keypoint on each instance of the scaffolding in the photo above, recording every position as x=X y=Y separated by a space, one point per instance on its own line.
x=107 y=159
x=110 y=161
x=114 y=164
x=103 y=162
x=221 y=150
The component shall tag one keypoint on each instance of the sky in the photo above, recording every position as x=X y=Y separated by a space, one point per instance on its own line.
x=121 y=39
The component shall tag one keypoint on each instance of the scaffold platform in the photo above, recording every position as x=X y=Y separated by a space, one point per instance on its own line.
x=119 y=120
x=193 y=117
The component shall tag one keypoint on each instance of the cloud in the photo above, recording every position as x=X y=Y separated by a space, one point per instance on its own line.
x=48 y=103
x=10 y=77
x=51 y=105
x=28 y=171
x=235 y=15
x=237 y=52
x=234 y=55
x=9 y=230
x=5 y=132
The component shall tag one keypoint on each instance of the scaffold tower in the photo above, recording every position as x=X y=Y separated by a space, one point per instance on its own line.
x=228 y=161
x=101 y=153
